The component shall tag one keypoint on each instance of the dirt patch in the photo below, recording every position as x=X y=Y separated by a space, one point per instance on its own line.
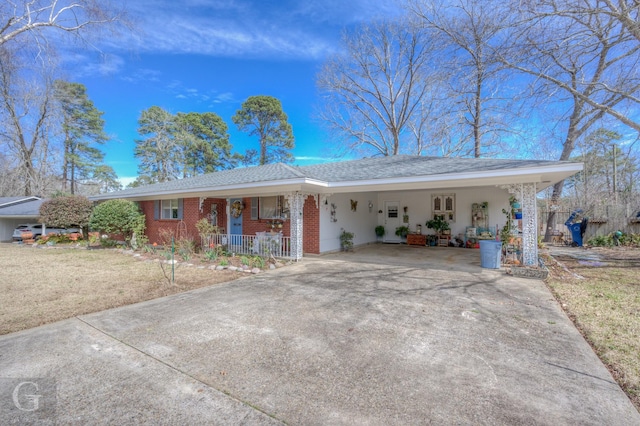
x=601 y=294
x=40 y=286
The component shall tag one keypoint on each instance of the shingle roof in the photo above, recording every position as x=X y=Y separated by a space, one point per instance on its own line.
x=26 y=208
x=364 y=170
x=407 y=166
x=246 y=175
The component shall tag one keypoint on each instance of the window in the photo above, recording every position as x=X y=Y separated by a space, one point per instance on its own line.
x=444 y=205
x=273 y=208
x=169 y=209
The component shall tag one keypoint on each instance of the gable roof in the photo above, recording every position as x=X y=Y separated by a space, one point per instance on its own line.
x=369 y=174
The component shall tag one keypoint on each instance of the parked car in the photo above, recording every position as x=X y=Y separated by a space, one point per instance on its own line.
x=36 y=230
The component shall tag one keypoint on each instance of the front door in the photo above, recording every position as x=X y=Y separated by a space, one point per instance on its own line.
x=391 y=221
x=235 y=228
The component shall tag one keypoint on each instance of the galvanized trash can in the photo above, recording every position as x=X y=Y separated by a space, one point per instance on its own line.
x=490 y=252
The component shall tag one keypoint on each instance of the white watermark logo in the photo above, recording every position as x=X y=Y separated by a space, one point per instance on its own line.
x=24 y=399
x=29 y=400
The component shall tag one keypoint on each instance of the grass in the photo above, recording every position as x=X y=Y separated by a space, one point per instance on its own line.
x=604 y=303
x=40 y=286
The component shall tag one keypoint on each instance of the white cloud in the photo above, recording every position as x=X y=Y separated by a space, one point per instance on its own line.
x=240 y=28
x=105 y=65
x=143 y=74
x=224 y=98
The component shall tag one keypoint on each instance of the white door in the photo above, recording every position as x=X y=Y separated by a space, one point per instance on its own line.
x=391 y=221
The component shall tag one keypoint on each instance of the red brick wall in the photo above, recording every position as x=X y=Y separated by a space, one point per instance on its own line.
x=311 y=222
x=250 y=227
x=191 y=214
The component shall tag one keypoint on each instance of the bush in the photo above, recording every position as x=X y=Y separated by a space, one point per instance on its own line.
x=601 y=241
x=66 y=212
x=120 y=217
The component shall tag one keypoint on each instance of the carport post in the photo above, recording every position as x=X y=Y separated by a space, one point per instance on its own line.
x=525 y=193
x=296 y=206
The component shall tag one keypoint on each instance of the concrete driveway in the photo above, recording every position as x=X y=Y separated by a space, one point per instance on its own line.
x=385 y=335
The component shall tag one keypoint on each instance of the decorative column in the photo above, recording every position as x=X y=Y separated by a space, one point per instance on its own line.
x=296 y=206
x=529 y=224
x=525 y=193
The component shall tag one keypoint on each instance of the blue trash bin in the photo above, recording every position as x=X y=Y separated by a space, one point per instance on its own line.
x=490 y=253
x=576 y=234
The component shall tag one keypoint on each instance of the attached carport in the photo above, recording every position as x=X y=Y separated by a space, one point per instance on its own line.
x=490 y=178
x=17 y=210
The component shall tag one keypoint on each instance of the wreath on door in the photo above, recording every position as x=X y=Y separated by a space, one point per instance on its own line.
x=236 y=208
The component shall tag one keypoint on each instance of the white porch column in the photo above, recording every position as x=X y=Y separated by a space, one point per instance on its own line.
x=525 y=193
x=296 y=206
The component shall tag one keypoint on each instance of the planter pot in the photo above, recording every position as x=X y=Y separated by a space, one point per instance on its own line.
x=518 y=215
x=515 y=205
x=27 y=236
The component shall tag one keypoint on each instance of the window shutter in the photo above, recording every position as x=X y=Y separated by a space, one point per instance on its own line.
x=156 y=210
x=180 y=205
x=254 y=208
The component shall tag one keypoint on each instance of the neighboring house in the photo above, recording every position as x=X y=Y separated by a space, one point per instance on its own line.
x=17 y=210
x=314 y=203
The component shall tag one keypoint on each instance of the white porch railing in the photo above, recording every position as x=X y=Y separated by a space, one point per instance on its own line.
x=263 y=244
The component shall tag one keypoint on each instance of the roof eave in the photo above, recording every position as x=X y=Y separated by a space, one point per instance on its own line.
x=544 y=176
x=252 y=189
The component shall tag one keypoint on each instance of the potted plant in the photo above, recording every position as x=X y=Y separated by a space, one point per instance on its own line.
x=439 y=225
x=380 y=231
x=405 y=216
x=402 y=231
x=346 y=240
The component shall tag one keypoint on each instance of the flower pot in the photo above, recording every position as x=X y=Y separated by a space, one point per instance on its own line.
x=518 y=215
x=515 y=205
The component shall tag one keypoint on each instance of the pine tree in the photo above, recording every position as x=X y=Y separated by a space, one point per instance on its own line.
x=83 y=128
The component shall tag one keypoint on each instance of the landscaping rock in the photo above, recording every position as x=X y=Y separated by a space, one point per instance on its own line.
x=233 y=268
x=219 y=268
x=255 y=271
x=272 y=266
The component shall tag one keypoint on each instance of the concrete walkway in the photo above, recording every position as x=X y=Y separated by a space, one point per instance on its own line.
x=385 y=335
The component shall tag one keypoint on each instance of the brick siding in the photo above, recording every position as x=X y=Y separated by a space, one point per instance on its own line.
x=191 y=214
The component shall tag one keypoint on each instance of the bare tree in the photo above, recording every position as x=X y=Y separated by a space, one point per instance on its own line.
x=470 y=33
x=25 y=107
x=573 y=61
x=375 y=93
x=34 y=16
x=605 y=24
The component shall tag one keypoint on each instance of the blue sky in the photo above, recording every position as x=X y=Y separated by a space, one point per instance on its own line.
x=210 y=55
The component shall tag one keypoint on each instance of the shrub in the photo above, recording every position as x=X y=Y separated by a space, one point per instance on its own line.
x=119 y=217
x=205 y=227
x=66 y=212
x=258 y=262
x=601 y=241
x=210 y=255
